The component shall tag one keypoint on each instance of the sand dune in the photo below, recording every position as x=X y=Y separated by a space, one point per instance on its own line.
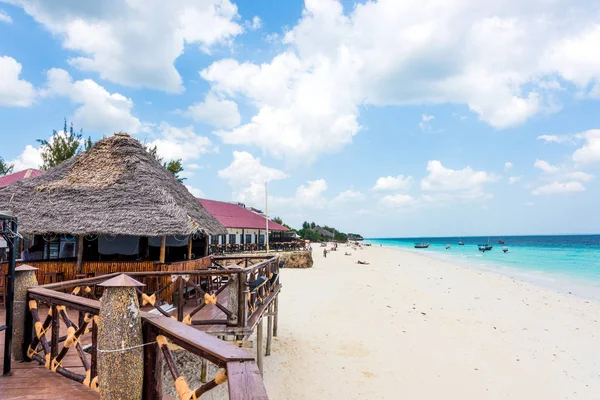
x=411 y=327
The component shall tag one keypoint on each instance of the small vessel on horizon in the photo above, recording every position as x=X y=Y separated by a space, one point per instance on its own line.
x=421 y=245
x=505 y=249
x=500 y=241
x=447 y=246
x=461 y=243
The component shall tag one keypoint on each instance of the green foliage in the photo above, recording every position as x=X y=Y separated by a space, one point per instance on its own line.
x=312 y=225
x=173 y=166
x=277 y=220
x=63 y=146
x=308 y=232
x=305 y=225
x=5 y=168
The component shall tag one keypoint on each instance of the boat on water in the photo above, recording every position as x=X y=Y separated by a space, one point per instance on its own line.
x=447 y=246
x=484 y=247
x=500 y=241
x=461 y=243
x=505 y=249
x=421 y=245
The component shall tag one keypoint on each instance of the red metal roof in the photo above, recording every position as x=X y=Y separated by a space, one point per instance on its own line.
x=234 y=216
x=17 y=176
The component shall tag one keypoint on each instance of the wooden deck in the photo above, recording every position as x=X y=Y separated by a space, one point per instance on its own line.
x=30 y=380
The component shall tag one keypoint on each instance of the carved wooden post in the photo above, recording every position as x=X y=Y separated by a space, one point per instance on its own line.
x=24 y=278
x=120 y=351
x=189 y=248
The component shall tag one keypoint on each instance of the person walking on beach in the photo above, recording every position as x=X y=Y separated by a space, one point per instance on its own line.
x=325 y=253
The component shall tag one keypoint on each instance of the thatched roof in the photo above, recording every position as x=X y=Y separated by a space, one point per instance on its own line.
x=115 y=188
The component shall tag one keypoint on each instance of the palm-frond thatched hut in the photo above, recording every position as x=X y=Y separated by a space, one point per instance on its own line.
x=114 y=201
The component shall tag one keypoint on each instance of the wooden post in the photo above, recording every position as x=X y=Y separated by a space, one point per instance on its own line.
x=80 y=244
x=206 y=244
x=234 y=293
x=189 y=255
x=269 y=329
x=203 y=368
x=24 y=278
x=259 y=345
x=180 y=299
x=152 y=365
x=276 y=314
x=120 y=351
x=163 y=249
x=242 y=303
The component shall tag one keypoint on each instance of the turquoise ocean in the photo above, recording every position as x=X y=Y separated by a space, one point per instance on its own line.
x=568 y=263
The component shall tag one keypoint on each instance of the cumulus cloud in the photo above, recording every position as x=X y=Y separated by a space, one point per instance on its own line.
x=349 y=195
x=545 y=166
x=195 y=191
x=514 y=179
x=442 y=179
x=508 y=165
x=14 y=91
x=4 y=17
x=559 y=187
x=499 y=60
x=98 y=109
x=180 y=143
x=399 y=182
x=247 y=176
x=589 y=153
x=136 y=43
x=31 y=157
x=219 y=113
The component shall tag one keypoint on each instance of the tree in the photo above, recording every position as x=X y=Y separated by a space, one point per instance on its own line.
x=277 y=220
x=5 y=168
x=312 y=225
x=173 y=166
x=62 y=146
x=305 y=225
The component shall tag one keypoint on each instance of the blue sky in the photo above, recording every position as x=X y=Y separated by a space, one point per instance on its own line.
x=387 y=118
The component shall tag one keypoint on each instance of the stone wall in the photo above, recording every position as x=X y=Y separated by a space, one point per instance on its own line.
x=297 y=259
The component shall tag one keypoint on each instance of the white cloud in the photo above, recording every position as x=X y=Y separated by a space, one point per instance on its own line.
x=508 y=165
x=589 y=153
x=247 y=176
x=579 y=176
x=98 y=110
x=311 y=194
x=514 y=179
x=136 y=43
x=31 y=157
x=397 y=201
x=556 y=138
x=193 y=166
x=545 y=166
x=4 y=17
x=217 y=112
x=180 y=143
x=13 y=90
x=559 y=187
x=349 y=195
x=195 y=191
x=311 y=93
x=399 y=182
x=425 y=123
x=255 y=24
x=442 y=179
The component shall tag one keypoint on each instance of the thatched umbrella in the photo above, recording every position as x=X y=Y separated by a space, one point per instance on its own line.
x=115 y=188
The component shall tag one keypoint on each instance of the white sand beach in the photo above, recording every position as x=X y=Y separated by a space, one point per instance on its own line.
x=411 y=327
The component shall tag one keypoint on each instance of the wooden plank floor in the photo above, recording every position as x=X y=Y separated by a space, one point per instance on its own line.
x=31 y=381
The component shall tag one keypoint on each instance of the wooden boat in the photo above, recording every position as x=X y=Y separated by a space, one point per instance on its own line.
x=500 y=241
x=447 y=246
x=461 y=243
x=505 y=249
x=485 y=247
x=421 y=245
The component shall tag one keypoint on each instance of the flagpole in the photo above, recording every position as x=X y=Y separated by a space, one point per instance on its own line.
x=267 y=214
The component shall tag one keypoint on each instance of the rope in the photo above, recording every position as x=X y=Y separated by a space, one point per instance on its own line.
x=148 y=299
x=183 y=390
x=210 y=299
x=126 y=348
x=221 y=377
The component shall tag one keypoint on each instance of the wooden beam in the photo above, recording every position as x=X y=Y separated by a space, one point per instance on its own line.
x=189 y=256
x=80 y=244
x=163 y=249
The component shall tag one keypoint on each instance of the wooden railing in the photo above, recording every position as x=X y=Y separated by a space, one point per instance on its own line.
x=239 y=368
x=215 y=249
